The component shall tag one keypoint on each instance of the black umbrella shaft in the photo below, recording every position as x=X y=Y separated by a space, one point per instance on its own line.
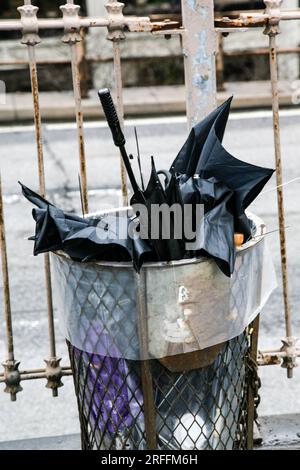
x=117 y=134
x=128 y=167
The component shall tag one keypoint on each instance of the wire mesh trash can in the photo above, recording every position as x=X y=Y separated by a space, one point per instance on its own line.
x=164 y=359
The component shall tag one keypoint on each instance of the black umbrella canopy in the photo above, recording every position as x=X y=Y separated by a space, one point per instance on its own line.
x=188 y=157
x=215 y=234
x=226 y=186
x=203 y=154
x=161 y=230
x=52 y=224
x=245 y=179
x=104 y=238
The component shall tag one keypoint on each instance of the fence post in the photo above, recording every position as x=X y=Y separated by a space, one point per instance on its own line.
x=30 y=38
x=116 y=34
x=72 y=37
x=199 y=50
x=272 y=30
x=12 y=375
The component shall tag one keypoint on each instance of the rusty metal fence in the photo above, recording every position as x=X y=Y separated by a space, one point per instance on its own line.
x=198 y=34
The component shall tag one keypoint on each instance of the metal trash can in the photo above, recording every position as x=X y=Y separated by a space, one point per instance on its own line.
x=163 y=359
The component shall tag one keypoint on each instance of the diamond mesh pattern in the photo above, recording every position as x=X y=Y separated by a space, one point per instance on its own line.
x=100 y=305
x=99 y=308
x=204 y=408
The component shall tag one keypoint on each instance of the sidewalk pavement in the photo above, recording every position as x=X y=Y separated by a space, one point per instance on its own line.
x=138 y=101
x=281 y=432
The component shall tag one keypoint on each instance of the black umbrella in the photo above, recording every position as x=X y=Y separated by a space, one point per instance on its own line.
x=245 y=179
x=104 y=238
x=226 y=186
x=202 y=173
x=188 y=158
x=169 y=243
x=151 y=227
x=215 y=233
x=52 y=224
x=212 y=230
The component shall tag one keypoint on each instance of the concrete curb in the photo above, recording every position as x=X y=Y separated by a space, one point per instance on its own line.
x=280 y=432
x=138 y=101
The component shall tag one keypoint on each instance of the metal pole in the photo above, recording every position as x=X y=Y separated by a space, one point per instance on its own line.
x=30 y=37
x=272 y=30
x=252 y=396
x=6 y=289
x=42 y=188
x=116 y=34
x=120 y=110
x=279 y=181
x=72 y=36
x=79 y=121
x=199 y=40
x=146 y=374
x=11 y=371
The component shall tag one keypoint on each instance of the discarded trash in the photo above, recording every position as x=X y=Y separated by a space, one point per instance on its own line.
x=167 y=344
x=83 y=239
x=226 y=186
x=203 y=175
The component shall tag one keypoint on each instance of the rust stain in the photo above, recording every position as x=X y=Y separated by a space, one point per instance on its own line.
x=164 y=25
x=38 y=133
x=268 y=359
x=6 y=288
x=244 y=22
x=280 y=202
x=41 y=171
x=272 y=51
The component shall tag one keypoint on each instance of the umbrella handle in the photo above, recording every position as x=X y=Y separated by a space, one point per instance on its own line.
x=111 y=117
x=118 y=136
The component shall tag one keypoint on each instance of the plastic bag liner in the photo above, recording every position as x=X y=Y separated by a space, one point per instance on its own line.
x=188 y=305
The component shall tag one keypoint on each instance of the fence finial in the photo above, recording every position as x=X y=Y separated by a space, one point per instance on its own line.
x=12 y=378
x=116 y=20
x=30 y=26
x=53 y=373
x=72 y=22
x=273 y=11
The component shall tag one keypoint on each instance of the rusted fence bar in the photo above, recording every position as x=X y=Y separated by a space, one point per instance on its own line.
x=120 y=110
x=11 y=375
x=72 y=37
x=31 y=38
x=29 y=375
x=6 y=290
x=255 y=20
x=131 y=23
x=116 y=34
x=272 y=30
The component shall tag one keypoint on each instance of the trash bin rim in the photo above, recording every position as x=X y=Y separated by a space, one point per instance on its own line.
x=259 y=224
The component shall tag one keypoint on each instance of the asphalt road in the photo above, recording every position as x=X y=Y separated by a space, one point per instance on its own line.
x=248 y=137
